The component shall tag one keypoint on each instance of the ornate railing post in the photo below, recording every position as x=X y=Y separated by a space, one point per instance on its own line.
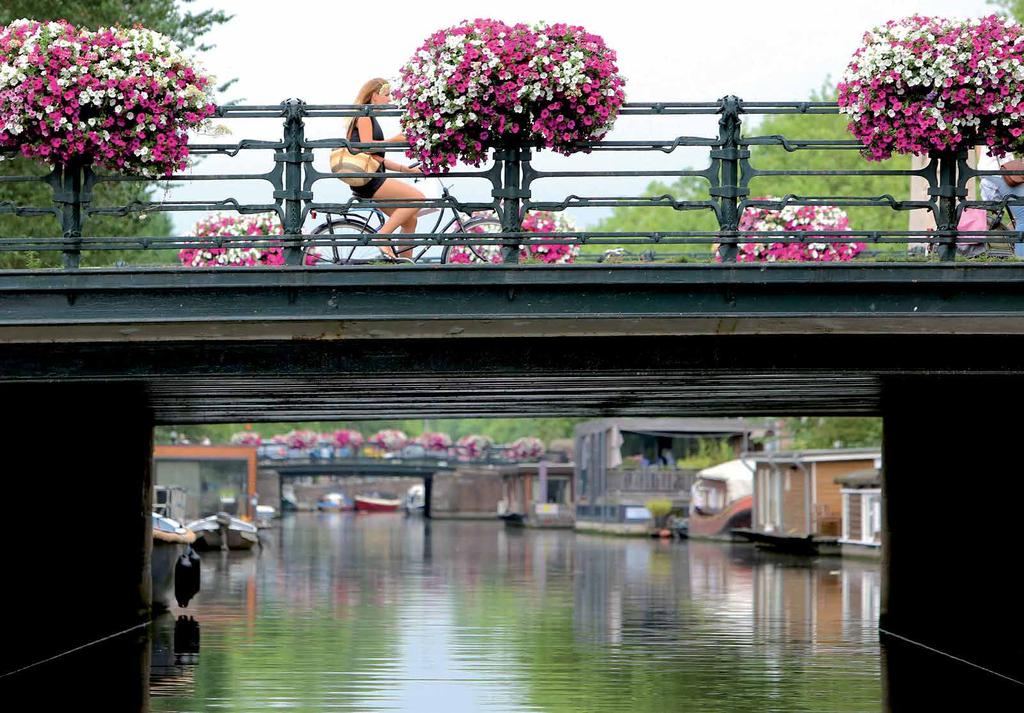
x=294 y=155
x=948 y=192
x=511 y=194
x=72 y=191
x=729 y=191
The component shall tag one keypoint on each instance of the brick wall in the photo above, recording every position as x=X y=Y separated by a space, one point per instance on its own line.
x=466 y=492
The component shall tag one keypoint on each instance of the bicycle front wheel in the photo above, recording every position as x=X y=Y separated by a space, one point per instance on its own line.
x=479 y=254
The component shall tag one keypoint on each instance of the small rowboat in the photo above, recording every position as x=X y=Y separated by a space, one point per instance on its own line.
x=377 y=502
x=211 y=532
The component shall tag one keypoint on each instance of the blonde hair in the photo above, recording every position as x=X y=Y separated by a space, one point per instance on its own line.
x=363 y=97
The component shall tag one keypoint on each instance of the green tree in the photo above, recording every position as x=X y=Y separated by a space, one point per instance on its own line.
x=777 y=158
x=1014 y=8
x=824 y=432
x=166 y=16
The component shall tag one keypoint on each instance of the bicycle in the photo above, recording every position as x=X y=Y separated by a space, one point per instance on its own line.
x=357 y=247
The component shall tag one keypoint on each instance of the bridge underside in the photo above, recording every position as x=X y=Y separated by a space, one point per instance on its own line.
x=295 y=344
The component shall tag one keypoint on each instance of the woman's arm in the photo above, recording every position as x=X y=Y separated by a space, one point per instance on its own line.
x=366 y=137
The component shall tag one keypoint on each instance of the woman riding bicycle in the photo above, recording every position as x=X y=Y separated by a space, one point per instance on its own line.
x=365 y=129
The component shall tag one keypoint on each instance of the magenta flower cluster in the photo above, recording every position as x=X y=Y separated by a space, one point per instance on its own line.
x=246 y=438
x=484 y=84
x=540 y=248
x=245 y=228
x=301 y=439
x=122 y=99
x=433 y=441
x=389 y=439
x=526 y=448
x=797 y=219
x=222 y=225
x=473 y=446
x=347 y=438
x=922 y=84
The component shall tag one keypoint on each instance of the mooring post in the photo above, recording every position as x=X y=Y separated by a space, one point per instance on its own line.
x=294 y=155
x=428 y=489
x=729 y=191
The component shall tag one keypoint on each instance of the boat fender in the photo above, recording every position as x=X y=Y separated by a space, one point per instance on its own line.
x=186 y=577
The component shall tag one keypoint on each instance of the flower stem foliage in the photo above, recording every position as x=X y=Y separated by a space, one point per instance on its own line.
x=545 y=223
x=797 y=218
x=923 y=84
x=483 y=84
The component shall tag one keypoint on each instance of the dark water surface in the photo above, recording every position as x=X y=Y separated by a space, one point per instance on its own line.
x=384 y=613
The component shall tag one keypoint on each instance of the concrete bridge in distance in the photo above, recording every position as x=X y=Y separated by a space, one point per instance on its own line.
x=92 y=358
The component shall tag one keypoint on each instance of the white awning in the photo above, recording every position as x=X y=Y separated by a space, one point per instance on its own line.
x=738 y=476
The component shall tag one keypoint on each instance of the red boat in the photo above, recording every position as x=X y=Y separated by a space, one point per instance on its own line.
x=377 y=502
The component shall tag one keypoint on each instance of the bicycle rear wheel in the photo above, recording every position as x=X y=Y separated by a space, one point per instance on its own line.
x=477 y=254
x=341 y=241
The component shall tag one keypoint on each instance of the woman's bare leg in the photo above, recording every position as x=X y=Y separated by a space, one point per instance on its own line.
x=404 y=218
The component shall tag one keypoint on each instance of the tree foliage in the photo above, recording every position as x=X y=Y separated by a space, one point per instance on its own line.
x=777 y=158
x=166 y=16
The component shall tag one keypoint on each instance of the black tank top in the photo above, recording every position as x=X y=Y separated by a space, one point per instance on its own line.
x=378 y=134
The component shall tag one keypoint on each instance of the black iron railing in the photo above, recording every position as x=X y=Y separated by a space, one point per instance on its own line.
x=296 y=195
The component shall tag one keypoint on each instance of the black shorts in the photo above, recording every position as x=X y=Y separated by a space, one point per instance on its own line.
x=370 y=188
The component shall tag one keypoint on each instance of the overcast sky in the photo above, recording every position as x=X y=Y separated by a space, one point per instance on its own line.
x=323 y=51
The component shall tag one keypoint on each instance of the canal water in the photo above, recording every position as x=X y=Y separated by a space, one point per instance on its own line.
x=339 y=612
x=383 y=612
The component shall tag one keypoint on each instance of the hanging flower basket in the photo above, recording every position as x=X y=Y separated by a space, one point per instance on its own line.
x=542 y=249
x=389 y=440
x=931 y=84
x=221 y=225
x=484 y=84
x=347 y=438
x=123 y=99
x=526 y=448
x=301 y=440
x=246 y=438
x=796 y=219
x=434 y=442
x=474 y=446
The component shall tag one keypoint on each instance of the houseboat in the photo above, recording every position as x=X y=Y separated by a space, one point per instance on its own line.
x=797 y=505
x=215 y=478
x=537 y=495
x=862 y=513
x=721 y=500
x=622 y=463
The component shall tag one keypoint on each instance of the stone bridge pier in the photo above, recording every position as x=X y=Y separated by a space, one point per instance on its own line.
x=77 y=494
x=953 y=488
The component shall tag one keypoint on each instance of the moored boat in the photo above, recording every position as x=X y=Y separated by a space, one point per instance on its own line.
x=335 y=502
x=221 y=531
x=415 y=499
x=170 y=542
x=377 y=502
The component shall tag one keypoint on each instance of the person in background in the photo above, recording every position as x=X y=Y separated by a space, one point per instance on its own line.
x=996 y=188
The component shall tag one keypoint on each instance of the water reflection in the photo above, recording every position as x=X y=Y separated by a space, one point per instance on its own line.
x=382 y=612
